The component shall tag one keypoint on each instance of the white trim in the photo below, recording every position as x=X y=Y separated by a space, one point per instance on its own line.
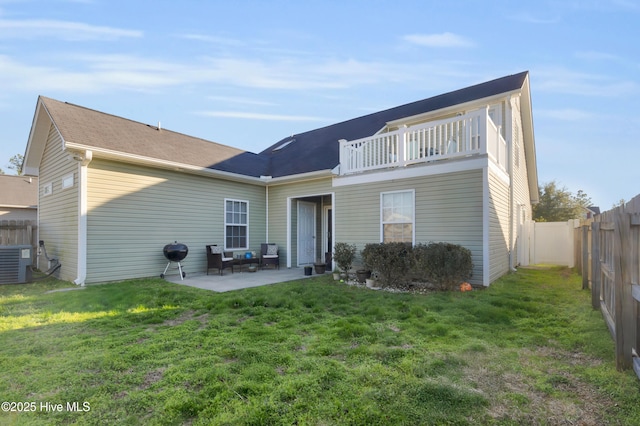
x=295 y=197
x=11 y=206
x=436 y=168
x=499 y=173
x=224 y=209
x=510 y=158
x=485 y=227
x=325 y=228
x=413 y=222
x=82 y=217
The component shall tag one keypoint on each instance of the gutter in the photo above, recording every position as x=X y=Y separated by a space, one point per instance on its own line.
x=318 y=174
x=197 y=170
x=163 y=164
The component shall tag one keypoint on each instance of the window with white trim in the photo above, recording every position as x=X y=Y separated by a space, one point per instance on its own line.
x=236 y=224
x=397 y=216
x=47 y=189
x=67 y=181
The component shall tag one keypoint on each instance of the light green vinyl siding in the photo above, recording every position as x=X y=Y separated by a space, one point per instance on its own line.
x=58 y=211
x=448 y=207
x=134 y=211
x=278 y=195
x=498 y=227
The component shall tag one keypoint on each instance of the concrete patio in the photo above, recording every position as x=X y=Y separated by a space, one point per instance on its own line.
x=239 y=279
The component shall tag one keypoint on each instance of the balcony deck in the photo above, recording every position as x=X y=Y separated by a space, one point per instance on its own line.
x=462 y=136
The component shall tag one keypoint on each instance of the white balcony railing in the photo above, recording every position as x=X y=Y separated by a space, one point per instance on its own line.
x=464 y=135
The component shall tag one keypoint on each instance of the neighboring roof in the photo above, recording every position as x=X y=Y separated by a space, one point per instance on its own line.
x=319 y=149
x=18 y=191
x=594 y=209
x=95 y=129
x=312 y=151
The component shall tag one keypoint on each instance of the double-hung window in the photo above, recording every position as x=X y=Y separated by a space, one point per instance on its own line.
x=397 y=216
x=236 y=224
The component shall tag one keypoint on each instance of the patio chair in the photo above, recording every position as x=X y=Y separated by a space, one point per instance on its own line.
x=269 y=255
x=216 y=258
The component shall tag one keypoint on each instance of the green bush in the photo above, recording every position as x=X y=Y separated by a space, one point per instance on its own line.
x=344 y=254
x=444 y=265
x=391 y=261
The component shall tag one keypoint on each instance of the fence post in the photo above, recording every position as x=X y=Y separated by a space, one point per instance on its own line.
x=625 y=322
x=596 y=278
x=585 y=257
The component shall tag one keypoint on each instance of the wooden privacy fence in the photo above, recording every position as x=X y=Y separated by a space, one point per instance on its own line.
x=609 y=257
x=19 y=232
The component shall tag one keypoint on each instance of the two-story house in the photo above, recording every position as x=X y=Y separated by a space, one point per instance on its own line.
x=459 y=167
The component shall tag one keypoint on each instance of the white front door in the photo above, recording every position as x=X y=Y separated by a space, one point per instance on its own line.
x=306 y=233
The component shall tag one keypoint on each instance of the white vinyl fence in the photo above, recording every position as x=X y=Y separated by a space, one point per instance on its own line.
x=552 y=243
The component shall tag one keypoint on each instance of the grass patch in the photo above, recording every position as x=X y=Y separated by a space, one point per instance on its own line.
x=528 y=350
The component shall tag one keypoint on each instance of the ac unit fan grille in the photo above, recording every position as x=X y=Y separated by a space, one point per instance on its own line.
x=13 y=266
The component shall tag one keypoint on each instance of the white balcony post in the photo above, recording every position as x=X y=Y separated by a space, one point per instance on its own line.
x=344 y=160
x=402 y=138
x=483 y=131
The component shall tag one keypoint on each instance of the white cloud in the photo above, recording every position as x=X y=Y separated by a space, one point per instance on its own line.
x=212 y=39
x=95 y=73
x=564 y=81
x=65 y=30
x=439 y=40
x=296 y=74
x=241 y=100
x=110 y=73
x=592 y=55
x=259 y=116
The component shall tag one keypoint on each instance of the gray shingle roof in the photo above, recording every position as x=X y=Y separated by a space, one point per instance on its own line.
x=97 y=129
x=319 y=149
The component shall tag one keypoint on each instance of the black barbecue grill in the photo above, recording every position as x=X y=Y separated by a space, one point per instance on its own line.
x=175 y=252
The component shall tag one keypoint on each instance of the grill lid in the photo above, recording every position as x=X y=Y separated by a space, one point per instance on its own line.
x=175 y=251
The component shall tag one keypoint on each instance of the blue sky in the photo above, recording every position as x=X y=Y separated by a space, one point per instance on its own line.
x=249 y=73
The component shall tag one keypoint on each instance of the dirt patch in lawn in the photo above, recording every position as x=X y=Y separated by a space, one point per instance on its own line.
x=186 y=316
x=151 y=377
x=540 y=390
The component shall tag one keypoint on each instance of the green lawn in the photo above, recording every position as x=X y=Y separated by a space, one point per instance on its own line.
x=528 y=350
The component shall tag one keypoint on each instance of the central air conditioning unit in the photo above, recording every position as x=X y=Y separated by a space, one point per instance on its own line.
x=15 y=262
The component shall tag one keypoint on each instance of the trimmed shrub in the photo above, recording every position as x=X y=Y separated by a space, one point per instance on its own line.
x=393 y=262
x=444 y=265
x=344 y=254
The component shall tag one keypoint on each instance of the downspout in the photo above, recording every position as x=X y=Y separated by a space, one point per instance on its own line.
x=83 y=161
x=267 y=212
x=486 y=264
x=511 y=184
